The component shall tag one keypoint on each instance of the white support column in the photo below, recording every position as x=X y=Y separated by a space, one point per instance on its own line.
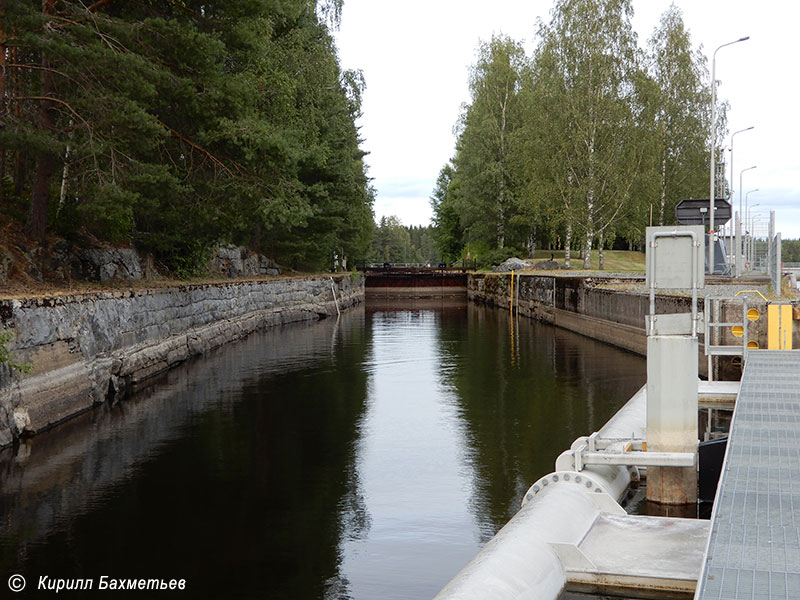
x=739 y=247
x=778 y=265
x=770 y=247
x=672 y=384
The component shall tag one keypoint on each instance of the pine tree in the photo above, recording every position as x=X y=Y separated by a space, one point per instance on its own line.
x=176 y=125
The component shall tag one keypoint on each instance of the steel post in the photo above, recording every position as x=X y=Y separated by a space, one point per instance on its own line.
x=739 y=258
x=672 y=384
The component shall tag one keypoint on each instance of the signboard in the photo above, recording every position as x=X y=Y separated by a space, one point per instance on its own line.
x=694 y=211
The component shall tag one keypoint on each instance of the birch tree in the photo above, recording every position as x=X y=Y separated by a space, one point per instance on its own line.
x=585 y=71
x=682 y=119
x=485 y=162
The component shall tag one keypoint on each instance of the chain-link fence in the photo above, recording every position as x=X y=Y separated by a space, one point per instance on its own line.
x=757 y=251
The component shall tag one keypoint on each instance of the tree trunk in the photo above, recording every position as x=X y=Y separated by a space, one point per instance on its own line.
x=600 y=256
x=45 y=161
x=663 y=199
x=40 y=196
x=64 y=178
x=587 y=249
x=532 y=243
x=590 y=200
x=501 y=230
x=567 y=245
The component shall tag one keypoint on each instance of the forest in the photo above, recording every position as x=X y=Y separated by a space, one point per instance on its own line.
x=173 y=125
x=581 y=144
x=397 y=243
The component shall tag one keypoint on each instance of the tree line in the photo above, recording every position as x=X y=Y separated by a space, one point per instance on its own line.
x=790 y=251
x=176 y=124
x=583 y=143
x=394 y=242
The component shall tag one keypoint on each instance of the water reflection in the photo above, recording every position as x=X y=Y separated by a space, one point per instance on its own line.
x=525 y=399
x=463 y=414
x=410 y=462
x=232 y=472
x=363 y=458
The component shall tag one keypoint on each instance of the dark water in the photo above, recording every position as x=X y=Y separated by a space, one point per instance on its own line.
x=365 y=459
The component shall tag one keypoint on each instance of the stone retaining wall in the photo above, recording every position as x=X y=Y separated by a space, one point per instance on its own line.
x=618 y=316
x=87 y=348
x=575 y=303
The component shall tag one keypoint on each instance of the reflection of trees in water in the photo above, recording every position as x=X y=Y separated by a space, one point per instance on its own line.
x=524 y=403
x=235 y=471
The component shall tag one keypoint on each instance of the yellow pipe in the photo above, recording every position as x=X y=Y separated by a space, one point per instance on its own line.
x=751 y=292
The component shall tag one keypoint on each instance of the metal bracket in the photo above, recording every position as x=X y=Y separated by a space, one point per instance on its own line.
x=635 y=458
x=626 y=453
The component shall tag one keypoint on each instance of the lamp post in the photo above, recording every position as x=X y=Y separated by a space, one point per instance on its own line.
x=740 y=187
x=742 y=215
x=732 y=171
x=711 y=194
x=749 y=223
x=747 y=195
x=733 y=221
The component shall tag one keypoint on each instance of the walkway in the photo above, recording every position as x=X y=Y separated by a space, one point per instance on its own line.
x=754 y=547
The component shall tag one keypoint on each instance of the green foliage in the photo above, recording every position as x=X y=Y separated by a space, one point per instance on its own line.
x=573 y=146
x=680 y=117
x=5 y=354
x=488 y=148
x=790 y=251
x=393 y=242
x=447 y=230
x=179 y=125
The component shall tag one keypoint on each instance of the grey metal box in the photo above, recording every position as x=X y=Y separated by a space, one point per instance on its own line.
x=673 y=253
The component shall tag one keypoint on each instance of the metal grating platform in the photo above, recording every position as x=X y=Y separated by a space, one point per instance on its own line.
x=754 y=546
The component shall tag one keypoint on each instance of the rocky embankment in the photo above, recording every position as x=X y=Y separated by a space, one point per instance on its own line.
x=88 y=348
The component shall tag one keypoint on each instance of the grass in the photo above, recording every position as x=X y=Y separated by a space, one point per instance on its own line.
x=615 y=261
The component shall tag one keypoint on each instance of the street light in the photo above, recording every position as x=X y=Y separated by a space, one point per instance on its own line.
x=740 y=186
x=733 y=221
x=750 y=225
x=732 y=171
x=711 y=194
x=742 y=244
x=747 y=204
x=747 y=195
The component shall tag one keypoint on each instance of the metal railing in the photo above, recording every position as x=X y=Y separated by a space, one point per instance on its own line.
x=397 y=266
x=713 y=306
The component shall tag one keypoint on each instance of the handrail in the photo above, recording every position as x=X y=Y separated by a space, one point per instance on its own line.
x=751 y=292
x=712 y=350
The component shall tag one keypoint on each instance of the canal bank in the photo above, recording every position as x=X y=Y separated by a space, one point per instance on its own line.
x=365 y=457
x=575 y=303
x=612 y=309
x=87 y=348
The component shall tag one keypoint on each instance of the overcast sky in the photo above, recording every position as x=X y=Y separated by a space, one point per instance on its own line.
x=416 y=55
